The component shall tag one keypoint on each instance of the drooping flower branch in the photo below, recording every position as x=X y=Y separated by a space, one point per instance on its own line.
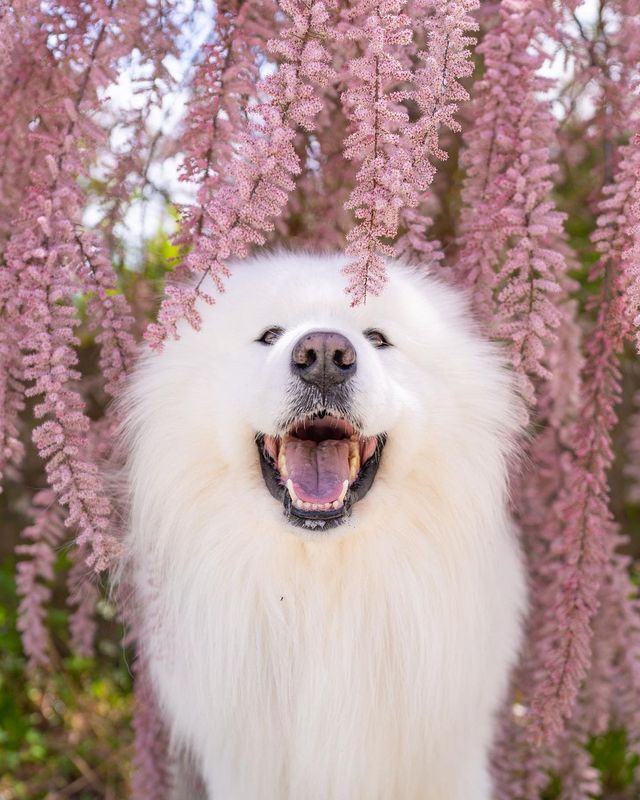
x=50 y=259
x=51 y=137
x=509 y=226
x=397 y=155
x=82 y=597
x=631 y=255
x=109 y=313
x=614 y=674
x=35 y=574
x=383 y=184
x=242 y=211
x=49 y=368
x=223 y=84
x=584 y=506
x=513 y=255
x=445 y=61
x=11 y=383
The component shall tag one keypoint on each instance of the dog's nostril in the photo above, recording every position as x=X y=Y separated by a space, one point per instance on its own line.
x=303 y=356
x=344 y=358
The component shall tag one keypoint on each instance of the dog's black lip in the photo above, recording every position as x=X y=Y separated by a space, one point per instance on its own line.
x=322 y=519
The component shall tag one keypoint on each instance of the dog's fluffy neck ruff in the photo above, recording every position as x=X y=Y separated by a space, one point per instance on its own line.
x=362 y=664
x=331 y=661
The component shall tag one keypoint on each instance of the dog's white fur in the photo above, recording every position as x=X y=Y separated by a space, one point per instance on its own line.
x=366 y=663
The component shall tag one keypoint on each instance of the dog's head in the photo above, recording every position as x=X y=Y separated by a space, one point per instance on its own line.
x=320 y=453
x=288 y=385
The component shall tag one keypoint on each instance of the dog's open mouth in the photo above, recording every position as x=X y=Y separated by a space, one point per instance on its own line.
x=319 y=468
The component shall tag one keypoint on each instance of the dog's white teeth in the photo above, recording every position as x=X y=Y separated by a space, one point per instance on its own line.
x=303 y=506
x=343 y=494
x=297 y=502
x=282 y=462
x=354 y=459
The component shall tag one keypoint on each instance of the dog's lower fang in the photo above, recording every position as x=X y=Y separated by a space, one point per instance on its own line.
x=343 y=493
x=354 y=458
x=282 y=462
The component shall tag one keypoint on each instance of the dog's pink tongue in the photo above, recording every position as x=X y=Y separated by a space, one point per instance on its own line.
x=318 y=470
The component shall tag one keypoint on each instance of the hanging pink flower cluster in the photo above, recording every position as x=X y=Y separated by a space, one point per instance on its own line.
x=243 y=207
x=361 y=125
x=397 y=153
x=583 y=544
x=48 y=258
x=509 y=227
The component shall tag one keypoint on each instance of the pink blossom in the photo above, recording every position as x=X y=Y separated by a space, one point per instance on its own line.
x=151 y=777
x=11 y=383
x=439 y=91
x=82 y=598
x=49 y=367
x=587 y=526
x=224 y=81
x=383 y=183
x=49 y=259
x=243 y=210
x=109 y=313
x=631 y=253
x=394 y=154
x=35 y=575
x=509 y=228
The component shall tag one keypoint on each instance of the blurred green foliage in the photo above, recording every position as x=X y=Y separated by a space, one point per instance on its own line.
x=64 y=733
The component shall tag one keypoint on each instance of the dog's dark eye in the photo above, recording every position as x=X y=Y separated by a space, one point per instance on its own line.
x=377 y=338
x=271 y=335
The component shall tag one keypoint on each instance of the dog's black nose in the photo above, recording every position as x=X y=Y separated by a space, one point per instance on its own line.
x=324 y=359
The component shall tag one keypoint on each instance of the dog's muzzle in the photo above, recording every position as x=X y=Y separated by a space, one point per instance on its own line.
x=319 y=468
x=319 y=464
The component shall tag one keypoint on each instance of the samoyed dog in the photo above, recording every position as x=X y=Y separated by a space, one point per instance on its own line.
x=318 y=536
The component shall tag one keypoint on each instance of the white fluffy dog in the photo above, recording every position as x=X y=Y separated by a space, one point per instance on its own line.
x=318 y=535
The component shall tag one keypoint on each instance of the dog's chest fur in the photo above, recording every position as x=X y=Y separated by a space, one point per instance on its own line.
x=332 y=669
